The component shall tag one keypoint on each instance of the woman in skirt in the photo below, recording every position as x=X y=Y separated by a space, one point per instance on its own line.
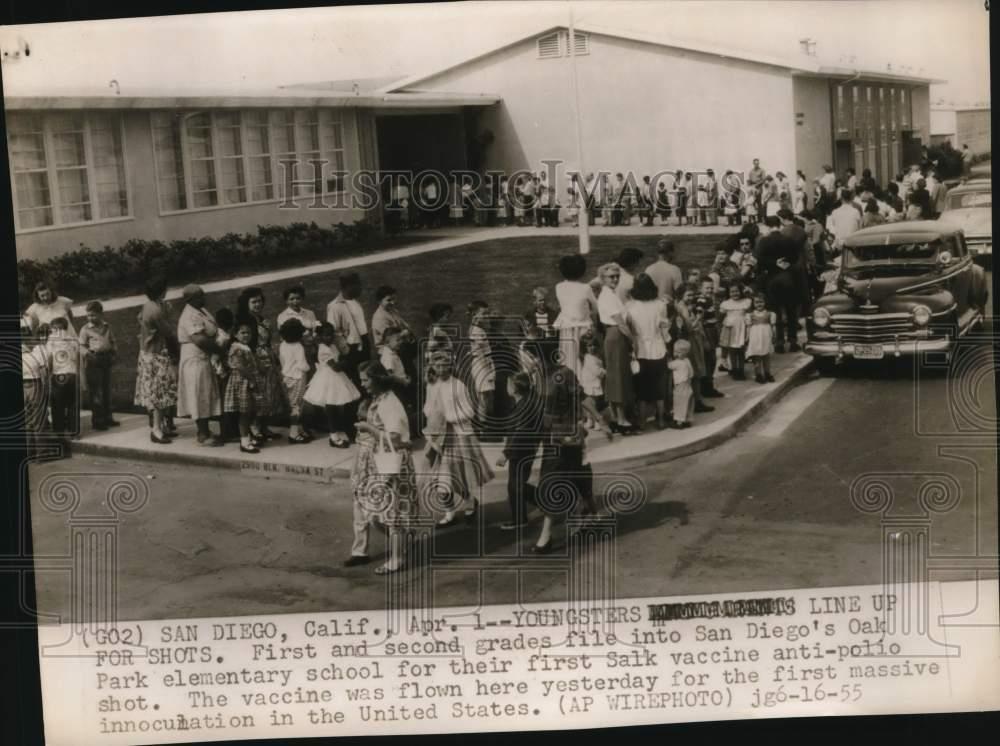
x=386 y=498
x=457 y=463
x=618 y=345
x=274 y=403
x=156 y=371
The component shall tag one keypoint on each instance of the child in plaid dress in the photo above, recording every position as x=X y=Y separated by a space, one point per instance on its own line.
x=243 y=392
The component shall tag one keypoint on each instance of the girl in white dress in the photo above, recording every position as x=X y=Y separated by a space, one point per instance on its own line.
x=760 y=339
x=734 y=329
x=577 y=308
x=330 y=389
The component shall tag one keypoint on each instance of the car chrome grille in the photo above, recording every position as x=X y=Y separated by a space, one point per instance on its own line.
x=873 y=329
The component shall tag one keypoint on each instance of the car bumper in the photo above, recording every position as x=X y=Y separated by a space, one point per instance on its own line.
x=889 y=349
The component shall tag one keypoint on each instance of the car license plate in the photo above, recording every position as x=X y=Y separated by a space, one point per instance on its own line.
x=869 y=352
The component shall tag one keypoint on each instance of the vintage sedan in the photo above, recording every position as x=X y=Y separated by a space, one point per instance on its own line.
x=969 y=206
x=903 y=289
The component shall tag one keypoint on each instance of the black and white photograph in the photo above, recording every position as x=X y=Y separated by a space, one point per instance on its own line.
x=570 y=309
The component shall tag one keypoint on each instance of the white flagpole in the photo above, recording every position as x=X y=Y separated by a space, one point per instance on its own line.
x=584 y=214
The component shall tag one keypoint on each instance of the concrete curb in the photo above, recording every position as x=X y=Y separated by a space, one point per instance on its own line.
x=741 y=420
x=714 y=437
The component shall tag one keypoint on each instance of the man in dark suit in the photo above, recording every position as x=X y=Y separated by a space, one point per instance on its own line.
x=779 y=254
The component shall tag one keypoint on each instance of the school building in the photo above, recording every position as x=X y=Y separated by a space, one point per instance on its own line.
x=101 y=167
x=962 y=126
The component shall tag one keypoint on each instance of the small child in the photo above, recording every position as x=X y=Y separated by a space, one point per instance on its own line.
x=731 y=208
x=243 y=393
x=392 y=340
x=705 y=303
x=760 y=339
x=63 y=351
x=542 y=314
x=691 y=330
x=528 y=362
x=750 y=204
x=733 y=337
x=224 y=320
x=97 y=343
x=682 y=374
x=520 y=447
x=481 y=369
x=331 y=389
x=694 y=277
x=438 y=335
x=36 y=366
x=295 y=372
x=592 y=374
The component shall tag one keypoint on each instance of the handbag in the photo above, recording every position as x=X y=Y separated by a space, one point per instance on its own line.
x=634 y=365
x=388 y=461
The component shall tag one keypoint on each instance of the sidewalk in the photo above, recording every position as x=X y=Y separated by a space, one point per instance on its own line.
x=444 y=238
x=318 y=462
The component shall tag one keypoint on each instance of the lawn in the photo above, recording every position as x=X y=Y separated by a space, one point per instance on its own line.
x=501 y=272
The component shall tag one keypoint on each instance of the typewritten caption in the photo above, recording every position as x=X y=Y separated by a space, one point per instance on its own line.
x=831 y=651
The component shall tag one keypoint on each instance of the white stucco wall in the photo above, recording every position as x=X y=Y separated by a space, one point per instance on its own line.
x=814 y=136
x=643 y=107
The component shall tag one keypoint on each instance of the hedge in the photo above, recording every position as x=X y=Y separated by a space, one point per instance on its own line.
x=89 y=272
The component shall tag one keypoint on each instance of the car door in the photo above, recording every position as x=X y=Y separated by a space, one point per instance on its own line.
x=960 y=273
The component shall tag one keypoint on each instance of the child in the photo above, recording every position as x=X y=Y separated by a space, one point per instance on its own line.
x=294 y=297
x=689 y=328
x=760 y=337
x=97 y=343
x=694 y=277
x=681 y=198
x=392 y=339
x=750 y=204
x=681 y=374
x=295 y=373
x=481 y=369
x=224 y=320
x=731 y=207
x=541 y=314
x=243 y=393
x=36 y=366
x=592 y=374
x=733 y=337
x=520 y=448
x=705 y=303
x=438 y=336
x=331 y=389
x=453 y=451
x=63 y=351
x=527 y=361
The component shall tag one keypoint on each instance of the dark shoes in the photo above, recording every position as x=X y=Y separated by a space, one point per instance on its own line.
x=712 y=393
x=702 y=407
x=794 y=347
x=779 y=348
x=355 y=560
x=511 y=526
x=542 y=549
x=161 y=441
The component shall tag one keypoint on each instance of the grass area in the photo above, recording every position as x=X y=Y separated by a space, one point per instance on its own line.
x=501 y=272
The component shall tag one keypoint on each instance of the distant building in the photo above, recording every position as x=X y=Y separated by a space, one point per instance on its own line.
x=100 y=168
x=962 y=126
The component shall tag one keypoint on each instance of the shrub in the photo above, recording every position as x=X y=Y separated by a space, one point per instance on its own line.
x=949 y=160
x=88 y=272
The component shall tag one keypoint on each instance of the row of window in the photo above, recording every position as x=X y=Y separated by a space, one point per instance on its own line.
x=69 y=168
x=862 y=109
x=556 y=44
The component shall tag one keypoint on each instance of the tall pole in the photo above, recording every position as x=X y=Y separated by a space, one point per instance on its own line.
x=584 y=211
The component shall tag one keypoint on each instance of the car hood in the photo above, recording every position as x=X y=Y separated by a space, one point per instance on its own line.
x=875 y=285
x=974 y=221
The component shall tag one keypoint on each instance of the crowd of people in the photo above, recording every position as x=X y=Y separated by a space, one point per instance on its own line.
x=681 y=198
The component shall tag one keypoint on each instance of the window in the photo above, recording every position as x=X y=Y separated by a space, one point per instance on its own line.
x=222 y=158
x=582 y=43
x=904 y=110
x=549 y=46
x=66 y=168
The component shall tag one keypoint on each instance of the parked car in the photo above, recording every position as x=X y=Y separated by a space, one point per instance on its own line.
x=969 y=206
x=903 y=289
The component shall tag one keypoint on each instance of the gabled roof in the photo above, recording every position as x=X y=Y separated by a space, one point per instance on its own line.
x=799 y=65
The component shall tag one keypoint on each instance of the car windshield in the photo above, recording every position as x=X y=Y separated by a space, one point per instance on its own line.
x=895 y=253
x=970 y=199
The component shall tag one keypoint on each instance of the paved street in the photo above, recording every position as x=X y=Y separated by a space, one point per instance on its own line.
x=768 y=509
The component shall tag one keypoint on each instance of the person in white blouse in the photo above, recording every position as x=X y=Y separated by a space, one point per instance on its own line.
x=647 y=317
x=618 y=346
x=577 y=309
x=348 y=317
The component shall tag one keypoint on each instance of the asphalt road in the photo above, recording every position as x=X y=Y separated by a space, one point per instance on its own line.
x=770 y=509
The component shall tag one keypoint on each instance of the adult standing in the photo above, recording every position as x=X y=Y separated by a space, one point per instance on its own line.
x=386 y=498
x=272 y=399
x=618 y=347
x=665 y=274
x=756 y=176
x=647 y=317
x=577 y=308
x=156 y=370
x=796 y=234
x=628 y=261
x=49 y=305
x=966 y=161
x=778 y=255
x=197 y=391
x=800 y=198
x=845 y=220
x=387 y=316
x=348 y=318
x=828 y=180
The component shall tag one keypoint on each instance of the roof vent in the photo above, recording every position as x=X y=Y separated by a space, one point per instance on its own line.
x=548 y=46
x=808 y=46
